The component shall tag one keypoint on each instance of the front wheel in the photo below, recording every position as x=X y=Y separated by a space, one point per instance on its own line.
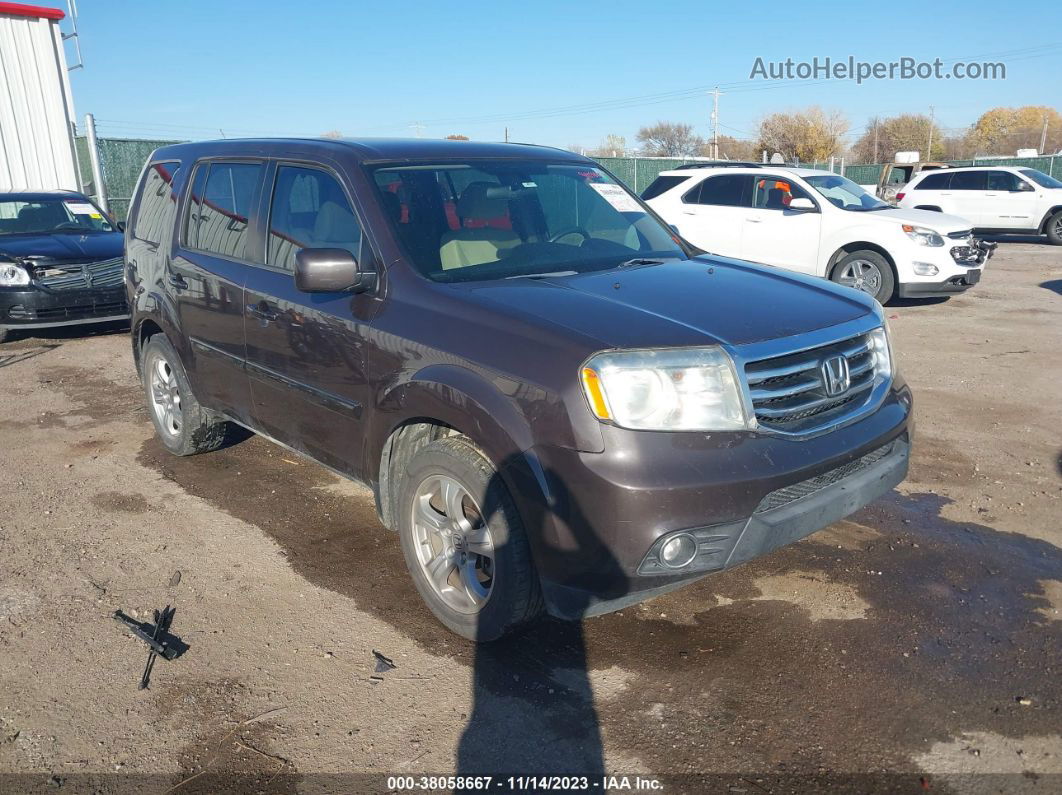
x=464 y=543
x=1054 y=228
x=183 y=426
x=868 y=272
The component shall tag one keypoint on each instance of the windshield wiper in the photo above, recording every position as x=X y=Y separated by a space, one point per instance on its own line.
x=543 y=275
x=639 y=261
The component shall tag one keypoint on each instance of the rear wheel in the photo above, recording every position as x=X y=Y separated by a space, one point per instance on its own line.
x=866 y=271
x=4 y=333
x=183 y=426
x=1054 y=228
x=464 y=543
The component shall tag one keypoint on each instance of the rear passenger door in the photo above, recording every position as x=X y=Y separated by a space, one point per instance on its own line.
x=305 y=351
x=965 y=197
x=206 y=276
x=713 y=211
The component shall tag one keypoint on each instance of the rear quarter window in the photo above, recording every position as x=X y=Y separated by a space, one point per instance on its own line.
x=157 y=208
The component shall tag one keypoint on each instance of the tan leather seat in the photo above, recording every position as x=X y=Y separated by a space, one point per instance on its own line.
x=464 y=247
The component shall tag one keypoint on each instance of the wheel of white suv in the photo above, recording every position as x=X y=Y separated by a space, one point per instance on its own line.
x=183 y=426
x=1054 y=228
x=866 y=271
x=464 y=542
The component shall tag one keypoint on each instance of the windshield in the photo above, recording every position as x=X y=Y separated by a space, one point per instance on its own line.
x=1040 y=178
x=497 y=219
x=47 y=216
x=842 y=192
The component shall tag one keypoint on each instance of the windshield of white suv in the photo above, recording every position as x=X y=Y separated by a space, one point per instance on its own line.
x=842 y=192
x=498 y=219
x=1040 y=178
x=72 y=214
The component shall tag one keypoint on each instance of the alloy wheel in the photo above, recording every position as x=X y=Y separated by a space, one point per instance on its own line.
x=862 y=275
x=453 y=543
x=166 y=397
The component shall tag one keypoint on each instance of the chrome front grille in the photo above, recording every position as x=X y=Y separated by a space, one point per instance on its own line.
x=790 y=392
x=81 y=275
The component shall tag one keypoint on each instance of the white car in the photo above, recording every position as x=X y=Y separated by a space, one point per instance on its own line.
x=822 y=224
x=996 y=199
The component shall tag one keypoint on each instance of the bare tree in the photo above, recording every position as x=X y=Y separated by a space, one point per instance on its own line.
x=456 y=137
x=908 y=132
x=731 y=148
x=611 y=146
x=668 y=139
x=332 y=134
x=808 y=135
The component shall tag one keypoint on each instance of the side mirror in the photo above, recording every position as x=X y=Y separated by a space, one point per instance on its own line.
x=330 y=270
x=120 y=226
x=1023 y=186
x=803 y=205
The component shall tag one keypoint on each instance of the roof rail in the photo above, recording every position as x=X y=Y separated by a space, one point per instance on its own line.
x=718 y=164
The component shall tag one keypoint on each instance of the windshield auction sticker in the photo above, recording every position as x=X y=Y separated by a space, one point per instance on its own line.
x=83 y=208
x=617 y=197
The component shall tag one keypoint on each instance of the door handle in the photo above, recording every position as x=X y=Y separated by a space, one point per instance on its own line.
x=177 y=281
x=263 y=311
x=754 y=220
x=688 y=212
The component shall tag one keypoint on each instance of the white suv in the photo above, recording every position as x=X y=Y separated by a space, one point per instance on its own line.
x=997 y=199
x=822 y=224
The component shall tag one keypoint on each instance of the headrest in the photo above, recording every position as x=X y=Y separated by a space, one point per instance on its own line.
x=476 y=201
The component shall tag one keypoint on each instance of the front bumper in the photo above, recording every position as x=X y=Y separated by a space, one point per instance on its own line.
x=34 y=307
x=959 y=266
x=739 y=495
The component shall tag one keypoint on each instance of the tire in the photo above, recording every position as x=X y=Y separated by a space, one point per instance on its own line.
x=182 y=425
x=4 y=334
x=868 y=272
x=1054 y=228
x=476 y=577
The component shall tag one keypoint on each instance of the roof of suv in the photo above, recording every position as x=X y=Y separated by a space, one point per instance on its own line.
x=702 y=172
x=389 y=149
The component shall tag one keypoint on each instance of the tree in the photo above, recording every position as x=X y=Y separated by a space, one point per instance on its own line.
x=807 y=135
x=668 y=139
x=1002 y=131
x=456 y=137
x=611 y=146
x=908 y=132
x=332 y=134
x=731 y=148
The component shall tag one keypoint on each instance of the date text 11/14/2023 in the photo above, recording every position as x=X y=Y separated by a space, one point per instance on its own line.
x=523 y=783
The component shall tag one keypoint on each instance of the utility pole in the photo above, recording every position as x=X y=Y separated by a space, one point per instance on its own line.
x=418 y=129
x=875 y=141
x=1043 y=136
x=715 y=122
x=506 y=135
x=929 y=152
x=94 y=159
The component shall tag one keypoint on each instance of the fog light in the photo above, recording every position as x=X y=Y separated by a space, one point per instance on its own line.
x=926 y=269
x=678 y=551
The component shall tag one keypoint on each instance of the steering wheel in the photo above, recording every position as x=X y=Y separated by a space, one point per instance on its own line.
x=571 y=230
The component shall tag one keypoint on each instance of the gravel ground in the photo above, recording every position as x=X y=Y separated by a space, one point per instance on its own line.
x=918 y=644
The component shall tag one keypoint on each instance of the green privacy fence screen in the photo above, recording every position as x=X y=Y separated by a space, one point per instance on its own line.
x=121 y=160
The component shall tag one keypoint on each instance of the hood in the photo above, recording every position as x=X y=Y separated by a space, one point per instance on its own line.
x=53 y=248
x=702 y=301
x=938 y=222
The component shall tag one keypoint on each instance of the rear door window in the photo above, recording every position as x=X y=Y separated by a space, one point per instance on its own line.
x=969 y=180
x=220 y=207
x=727 y=190
x=158 y=203
x=309 y=210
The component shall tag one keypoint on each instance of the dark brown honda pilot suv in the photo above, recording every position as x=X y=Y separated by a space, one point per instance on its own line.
x=560 y=406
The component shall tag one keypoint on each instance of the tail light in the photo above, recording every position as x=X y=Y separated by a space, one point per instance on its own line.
x=899 y=196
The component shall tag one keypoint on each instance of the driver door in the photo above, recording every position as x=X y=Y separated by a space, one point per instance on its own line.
x=775 y=235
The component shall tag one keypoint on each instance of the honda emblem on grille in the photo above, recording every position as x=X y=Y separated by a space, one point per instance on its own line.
x=835 y=376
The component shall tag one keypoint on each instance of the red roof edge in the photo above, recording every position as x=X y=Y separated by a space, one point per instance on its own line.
x=38 y=12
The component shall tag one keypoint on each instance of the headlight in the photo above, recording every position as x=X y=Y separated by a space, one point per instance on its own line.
x=12 y=275
x=923 y=236
x=686 y=389
x=881 y=350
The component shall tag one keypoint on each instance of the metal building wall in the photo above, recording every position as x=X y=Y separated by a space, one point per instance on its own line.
x=36 y=109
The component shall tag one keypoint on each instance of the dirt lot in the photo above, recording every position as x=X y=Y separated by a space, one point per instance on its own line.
x=917 y=645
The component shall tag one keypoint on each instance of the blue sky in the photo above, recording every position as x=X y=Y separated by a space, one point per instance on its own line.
x=555 y=73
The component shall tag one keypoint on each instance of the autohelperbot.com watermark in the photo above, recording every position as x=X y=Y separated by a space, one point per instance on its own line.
x=851 y=68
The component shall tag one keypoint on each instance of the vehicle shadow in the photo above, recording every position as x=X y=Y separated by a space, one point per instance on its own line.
x=59 y=333
x=1040 y=240
x=1054 y=285
x=21 y=355
x=916 y=302
x=533 y=710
